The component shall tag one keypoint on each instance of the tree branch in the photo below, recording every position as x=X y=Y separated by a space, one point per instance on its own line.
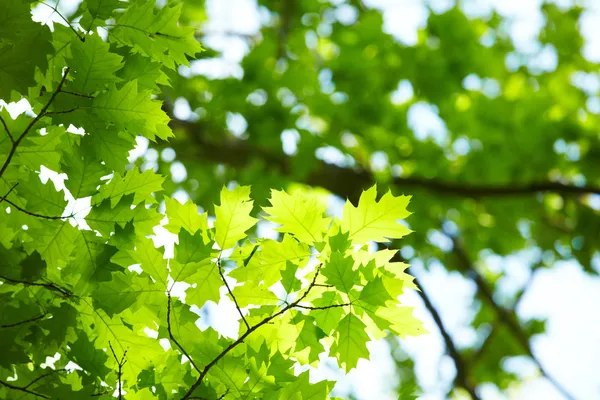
x=120 y=363
x=22 y=389
x=461 y=378
x=85 y=96
x=54 y=371
x=322 y=307
x=173 y=337
x=11 y=189
x=32 y=213
x=25 y=321
x=506 y=317
x=231 y=293
x=246 y=334
x=346 y=182
x=49 y=286
x=10 y=136
x=42 y=113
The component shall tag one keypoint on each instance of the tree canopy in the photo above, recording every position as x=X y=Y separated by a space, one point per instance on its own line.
x=151 y=177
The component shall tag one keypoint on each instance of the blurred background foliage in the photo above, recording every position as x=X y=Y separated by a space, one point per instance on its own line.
x=497 y=144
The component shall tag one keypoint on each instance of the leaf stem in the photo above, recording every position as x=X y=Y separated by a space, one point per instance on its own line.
x=10 y=136
x=185 y=353
x=231 y=294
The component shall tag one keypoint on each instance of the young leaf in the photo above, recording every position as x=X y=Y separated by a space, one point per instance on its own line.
x=300 y=215
x=233 y=216
x=350 y=344
x=375 y=221
x=134 y=111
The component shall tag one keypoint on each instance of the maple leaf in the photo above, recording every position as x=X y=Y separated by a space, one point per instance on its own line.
x=92 y=64
x=140 y=185
x=375 y=221
x=155 y=33
x=300 y=215
x=350 y=344
x=233 y=216
x=133 y=111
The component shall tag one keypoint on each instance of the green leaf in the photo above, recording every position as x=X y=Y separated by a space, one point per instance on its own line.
x=206 y=283
x=250 y=294
x=46 y=150
x=93 y=66
x=141 y=185
x=133 y=111
x=185 y=216
x=273 y=256
x=339 y=272
x=233 y=216
x=98 y=11
x=375 y=221
x=375 y=293
x=300 y=215
x=83 y=173
x=18 y=35
x=350 y=344
x=151 y=260
x=191 y=253
x=156 y=33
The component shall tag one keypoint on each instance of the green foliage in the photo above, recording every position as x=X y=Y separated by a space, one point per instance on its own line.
x=87 y=284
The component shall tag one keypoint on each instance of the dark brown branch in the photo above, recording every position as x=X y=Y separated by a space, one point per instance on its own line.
x=462 y=377
x=32 y=213
x=99 y=394
x=37 y=318
x=231 y=294
x=246 y=334
x=86 y=96
x=506 y=317
x=185 y=353
x=42 y=113
x=63 y=111
x=24 y=390
x=346 y=182
x=54 y=371
x=120 y=364
x=10 y=136
x=49 y=286
x=322 y=307
x=6 y=195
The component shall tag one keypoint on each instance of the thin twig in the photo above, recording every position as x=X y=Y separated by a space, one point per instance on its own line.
x=64 y=19
x=11 y=189
x=22 y=389
x=322 y=307
x=86 y=96
x=10 y=136
x=33 y=122
x=120 y=363
x=246 y=334
x=37 y=318
x=54 y=371
x=70 y=110
x=49 y=286
x=231 y=293
x=35 y=214
x=185 y=353
x=507 y=317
